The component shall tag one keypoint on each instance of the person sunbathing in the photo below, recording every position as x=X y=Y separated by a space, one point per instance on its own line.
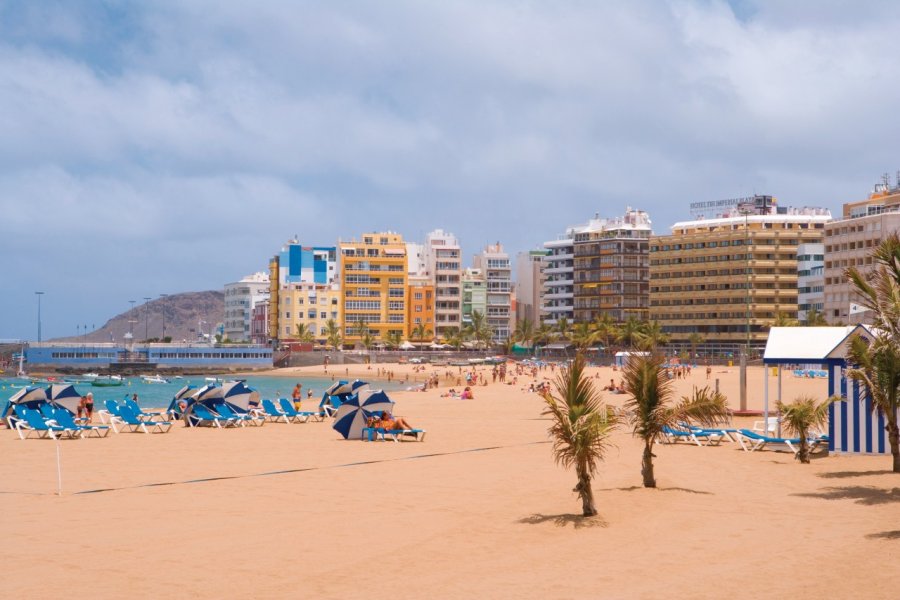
x=389 y=423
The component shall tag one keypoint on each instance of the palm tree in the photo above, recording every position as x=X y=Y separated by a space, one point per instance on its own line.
x=877 y=364
x=581 y=427
x=563 y=327
x=543 y=334
x=304 y=333
x=333 y=334
x=815 y=319
x=454 y=337
x=785 y=320
x=367 y=339
x=524 y=333
x=420 y=332
x=583 y=336
x=393 y=339
x=629 y=331
x=651 y=409
x=652 y=336
x=801 y=415
x=695 y=339
x=480 y=330
x=605 y=327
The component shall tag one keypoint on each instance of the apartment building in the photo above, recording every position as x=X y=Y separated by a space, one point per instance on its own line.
x=474 y=294
x=849 y=243
x=311 y=305
x=494 y=263
x=529 y=284
x=728 y=278
x=421 y=306
x=810 y=280
x=374 y=283
x=240 y=298
x=443 y=264
x=611 y=267
x=558 y=288
x=297 y=263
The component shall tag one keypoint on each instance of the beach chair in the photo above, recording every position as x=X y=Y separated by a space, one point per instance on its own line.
x=769 y=425
x=30 y=421
x=297 y=416
x=132 y=423
x=65 y=419
x=201 y=416
x=111 y=410
x=728 y=434
x=751 y=442
x=673 y=436
x=141 y=413
x=244 y=419
x=371 y=434
x=272 y=413
x=329 y=407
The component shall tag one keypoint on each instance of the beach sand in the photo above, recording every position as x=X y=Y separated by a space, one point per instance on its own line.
x=479 y=509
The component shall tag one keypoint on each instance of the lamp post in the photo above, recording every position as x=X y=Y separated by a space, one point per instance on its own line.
x=146 y=319
x=39 y=294
x=131 y=317
x=163 y=307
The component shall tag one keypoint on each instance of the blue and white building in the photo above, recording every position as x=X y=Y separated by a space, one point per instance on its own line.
x=306 y=264
x=150 y=357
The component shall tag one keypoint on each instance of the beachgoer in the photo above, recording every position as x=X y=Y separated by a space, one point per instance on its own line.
x=708 y=371
x=80 y=409
x=296 y=396
x=89 y=406
x=388 y=422
x=309 y=394
x=467 y=394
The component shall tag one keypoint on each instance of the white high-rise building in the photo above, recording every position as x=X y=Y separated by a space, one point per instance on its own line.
x=494 y=262
x=529 y=284
x=443 y=260
x=810 y=280
x=558 y=291
x=240 y=299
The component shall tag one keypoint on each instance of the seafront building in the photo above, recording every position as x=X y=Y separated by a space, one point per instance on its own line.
x=849 y=243
x=611 y=267
x=494 y=263
x=147 y=358
x=240 y=298
x=558 y=287
x=259 y=323
x=310 y=305
x=474 y=295
x=374 y=282
x=810 y=280
x=294 y=264
x=420 y=307
x=443 y=264
x=728 y=278
x=529 y=284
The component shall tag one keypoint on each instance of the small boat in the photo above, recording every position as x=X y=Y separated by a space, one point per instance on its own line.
x=153 y=379
x=213 y=379
x=109 y=381
x=91 y=375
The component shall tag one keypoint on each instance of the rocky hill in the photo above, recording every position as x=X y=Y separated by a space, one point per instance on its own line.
x=185 y=314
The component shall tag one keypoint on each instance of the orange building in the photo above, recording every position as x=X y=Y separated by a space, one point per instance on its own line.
x=420 y=307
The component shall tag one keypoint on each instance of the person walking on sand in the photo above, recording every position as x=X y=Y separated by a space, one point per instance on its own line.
x=296 y=396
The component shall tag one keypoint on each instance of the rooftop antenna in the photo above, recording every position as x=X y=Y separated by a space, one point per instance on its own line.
x=886 y=180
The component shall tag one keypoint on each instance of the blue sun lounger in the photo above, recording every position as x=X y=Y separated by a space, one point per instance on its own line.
x=272 y=413
x=65 y=419
x=751 y=442
x=370 y=434
x=298 y=416
x=141 y=413
x=131 y=422
x=201 y=416
x=30 y=421
x=244 y=419
x=673 y=436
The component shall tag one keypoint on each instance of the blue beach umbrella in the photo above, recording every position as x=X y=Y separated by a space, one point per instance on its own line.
x=238 y=394
x=351 y=417
x=64 y=395
x=30 y=396
x=345 y=389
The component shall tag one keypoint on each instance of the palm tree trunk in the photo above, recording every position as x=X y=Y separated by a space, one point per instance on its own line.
x=586 y=494
x=894 y=439
x=803 y=454
x=647 y=466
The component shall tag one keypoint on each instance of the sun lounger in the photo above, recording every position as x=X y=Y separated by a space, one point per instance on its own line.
x=673 y=436
x=770 y=425
x=329 y=407
x=65 y=419
x=728 y=433
x=272 y=413
x=297 y=416
x=751 y=442
x=30 y=421
x=141 y=413
x=244 y=419
x=112 y=410
x=129 y=421
x=370 y=434
x=201 y=416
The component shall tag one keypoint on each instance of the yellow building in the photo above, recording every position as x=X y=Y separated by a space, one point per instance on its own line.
x=374 y=284
x=309 y=304
x=421 y=306
x=729 y=278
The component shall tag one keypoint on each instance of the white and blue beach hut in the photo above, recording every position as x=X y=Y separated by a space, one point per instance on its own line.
x=853 y=428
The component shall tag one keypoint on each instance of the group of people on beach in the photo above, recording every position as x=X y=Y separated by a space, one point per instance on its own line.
x=85 y=410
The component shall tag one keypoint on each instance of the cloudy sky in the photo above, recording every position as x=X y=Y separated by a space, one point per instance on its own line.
x=162 y=147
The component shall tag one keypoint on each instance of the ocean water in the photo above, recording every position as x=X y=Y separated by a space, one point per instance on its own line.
x=159 y=395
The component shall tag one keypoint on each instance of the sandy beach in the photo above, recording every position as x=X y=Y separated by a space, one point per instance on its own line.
x=479 y=509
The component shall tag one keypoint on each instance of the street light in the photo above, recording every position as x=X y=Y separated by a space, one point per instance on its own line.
x=39 y=294
x=146 y=319
x=163 y=305
x=131 y=318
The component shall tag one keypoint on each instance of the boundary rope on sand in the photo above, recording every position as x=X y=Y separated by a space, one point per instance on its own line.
x=303 y=469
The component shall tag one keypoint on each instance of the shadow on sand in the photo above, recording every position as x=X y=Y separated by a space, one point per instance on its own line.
x=849 y=474
x=885 y=535
x=576 y=521
x=634 y=488
x=862 y=494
